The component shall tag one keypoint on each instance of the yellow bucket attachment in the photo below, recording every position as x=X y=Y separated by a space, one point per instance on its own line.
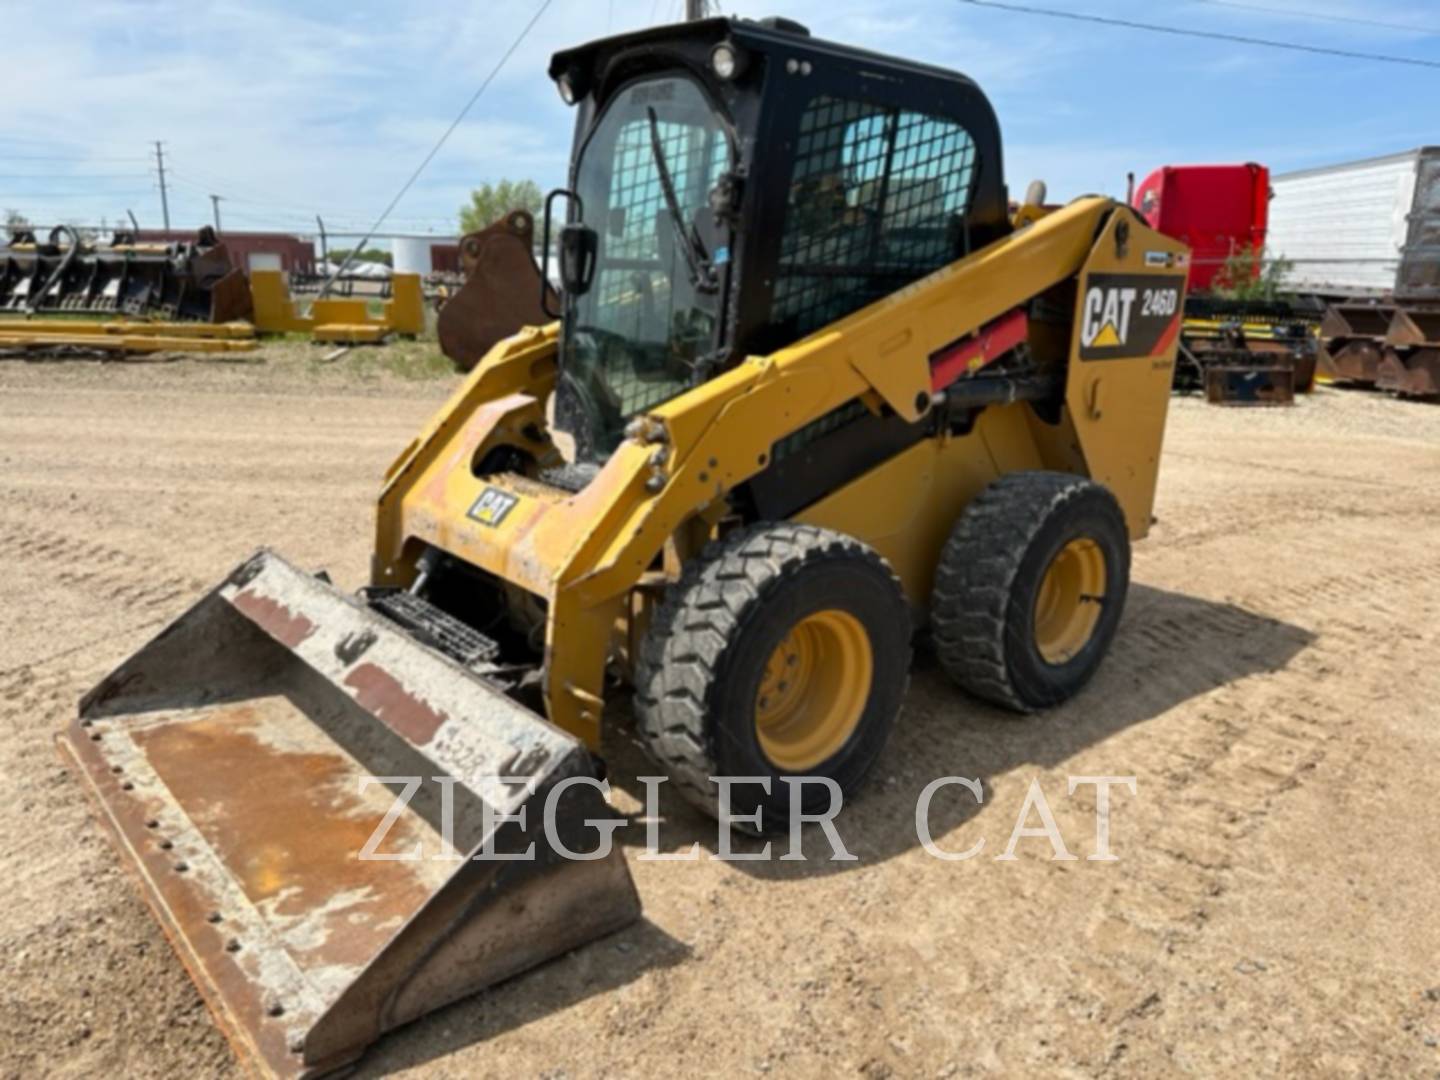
x=234 y=761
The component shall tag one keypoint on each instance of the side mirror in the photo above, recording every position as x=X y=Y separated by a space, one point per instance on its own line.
x=577 y=210
x=579 y=245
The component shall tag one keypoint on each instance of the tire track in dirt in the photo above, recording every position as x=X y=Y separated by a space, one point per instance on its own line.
x=1224 y=778
x=110 y=574
x=1309 y=474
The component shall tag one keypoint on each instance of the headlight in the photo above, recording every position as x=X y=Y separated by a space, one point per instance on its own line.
x=566 y=86
x=727 y=61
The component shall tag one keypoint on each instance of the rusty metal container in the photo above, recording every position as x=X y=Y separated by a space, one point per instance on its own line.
x=1249 y=384
x=245 y=758
x=1357 y=320
x=1410 y=374
x=1414 y=327
x=1355 y=361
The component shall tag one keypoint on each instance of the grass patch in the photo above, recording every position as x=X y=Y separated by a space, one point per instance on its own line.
x=415 y=361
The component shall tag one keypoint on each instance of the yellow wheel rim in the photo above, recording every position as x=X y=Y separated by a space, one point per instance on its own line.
x=815 y=687
x=1068 y=605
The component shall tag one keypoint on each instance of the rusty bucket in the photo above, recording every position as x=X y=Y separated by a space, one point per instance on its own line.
x=1250 y=384
x=501 y=294
x=254 y=764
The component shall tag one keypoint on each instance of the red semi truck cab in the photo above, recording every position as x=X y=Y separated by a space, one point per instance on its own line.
x=1218 y=210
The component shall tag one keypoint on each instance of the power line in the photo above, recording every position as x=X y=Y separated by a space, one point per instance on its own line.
x=74 y=176
x=1240 y=39
x=72 y=194
x=80 y=159
x=515 y=45
x=274 y=207
x=49 y=141
x=1295 y=13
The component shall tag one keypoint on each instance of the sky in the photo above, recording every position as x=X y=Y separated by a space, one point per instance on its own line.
x=287 y=110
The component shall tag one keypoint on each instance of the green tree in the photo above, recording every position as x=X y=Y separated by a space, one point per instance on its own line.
x=491 y=202
x=1251 y=275
x=15 y=221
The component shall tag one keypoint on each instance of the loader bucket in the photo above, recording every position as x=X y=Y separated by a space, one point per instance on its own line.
x=501 y=293
x=174 y=282
x=1357 y=320
x=232 y=760
x=1412 y=326
x=1356 y=361
x=1415 y=375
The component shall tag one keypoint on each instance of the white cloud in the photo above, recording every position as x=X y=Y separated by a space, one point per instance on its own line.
x=289 y=108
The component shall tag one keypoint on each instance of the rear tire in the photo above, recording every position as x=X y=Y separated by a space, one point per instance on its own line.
x=783 y=651
x=1030 y=589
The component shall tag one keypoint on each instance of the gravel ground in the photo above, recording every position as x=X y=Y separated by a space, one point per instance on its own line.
x=1273 y=689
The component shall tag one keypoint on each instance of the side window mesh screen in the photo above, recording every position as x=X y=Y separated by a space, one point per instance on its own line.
x=878 y=199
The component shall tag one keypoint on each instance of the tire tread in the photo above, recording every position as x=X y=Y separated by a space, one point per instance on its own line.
x=974 y=580
x=706 y=609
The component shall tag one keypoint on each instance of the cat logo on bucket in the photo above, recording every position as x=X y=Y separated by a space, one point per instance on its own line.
x=492 y=506
x=1129 y=315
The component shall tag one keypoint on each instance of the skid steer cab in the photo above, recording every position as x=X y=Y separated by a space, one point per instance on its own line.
x=811 y=385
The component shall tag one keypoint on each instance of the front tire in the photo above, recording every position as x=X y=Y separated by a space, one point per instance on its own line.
x=1030 y=589
x=783 y=651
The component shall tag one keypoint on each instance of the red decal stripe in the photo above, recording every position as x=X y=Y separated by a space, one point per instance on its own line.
x=989 y=343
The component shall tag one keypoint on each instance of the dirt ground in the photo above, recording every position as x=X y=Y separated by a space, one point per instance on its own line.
x=1273 y=690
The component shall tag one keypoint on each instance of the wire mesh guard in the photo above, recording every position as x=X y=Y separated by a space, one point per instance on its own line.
x=644 y=293
x=878 y=199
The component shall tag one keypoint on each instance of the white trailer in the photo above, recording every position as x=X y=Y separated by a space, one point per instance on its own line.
x=1366 y=236
x=1362 y=229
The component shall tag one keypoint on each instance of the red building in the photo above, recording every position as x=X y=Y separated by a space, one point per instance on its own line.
x=250 y=250
x=445 y=259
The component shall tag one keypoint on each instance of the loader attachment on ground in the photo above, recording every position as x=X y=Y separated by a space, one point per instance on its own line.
x=235 y=760
x=1250 y=384
x=70 y=275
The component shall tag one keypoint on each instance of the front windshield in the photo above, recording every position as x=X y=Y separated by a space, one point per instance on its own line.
x=632 y=341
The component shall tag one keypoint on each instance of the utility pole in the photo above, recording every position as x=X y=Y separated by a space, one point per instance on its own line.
x=164 y=198
x=215 y=204
x=695 y=10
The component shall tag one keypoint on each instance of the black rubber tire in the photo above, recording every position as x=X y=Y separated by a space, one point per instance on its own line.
x=705 y=652
x=982 y=610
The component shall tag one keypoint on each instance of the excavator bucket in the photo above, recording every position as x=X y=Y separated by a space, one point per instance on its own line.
x=501 y=293
x=68 y=275
x=339 y=828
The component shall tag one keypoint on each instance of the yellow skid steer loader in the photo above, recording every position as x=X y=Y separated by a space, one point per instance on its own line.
x=810 y=385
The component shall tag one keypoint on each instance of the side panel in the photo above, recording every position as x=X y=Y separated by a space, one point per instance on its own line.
x=1344 y=227
x=906 y=507
x=1122 y=359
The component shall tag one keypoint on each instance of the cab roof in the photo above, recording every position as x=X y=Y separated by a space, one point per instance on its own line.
x=766 y=36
